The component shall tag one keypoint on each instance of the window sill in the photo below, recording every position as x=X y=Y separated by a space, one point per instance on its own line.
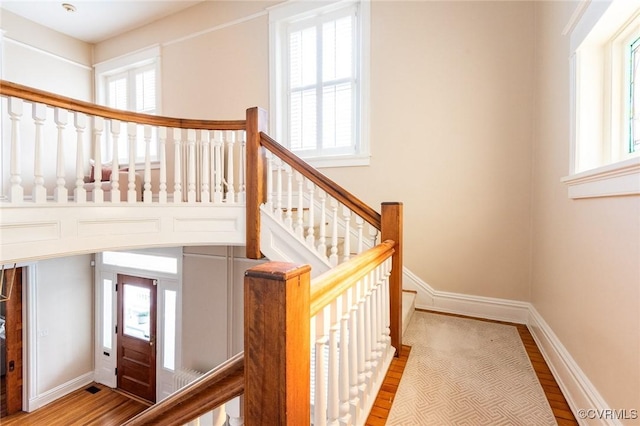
x=618 y=179
x=338 y=161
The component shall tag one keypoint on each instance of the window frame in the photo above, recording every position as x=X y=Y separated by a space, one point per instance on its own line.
x=288 y=14
x=599 y=130
x=128 y=64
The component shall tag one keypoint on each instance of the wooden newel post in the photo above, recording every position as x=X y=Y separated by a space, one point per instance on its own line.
x=276 y=345
x=255 y=179
x=392 y=230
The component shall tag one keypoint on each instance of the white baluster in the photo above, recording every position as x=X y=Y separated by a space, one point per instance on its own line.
x=346 y=245
x=162 y=137
x=270 y=160
x=279 y=167
x=217 y=146
x=132 y=135
x=322 y=241
x=242 y=196
x=345 y=356
x=39 y=191
x=353 y=355
x=362 y=356
x=333 y=258
x=360 y=226
x=299 y=229
x=368 y=330
x=320 y=402
x=177 y=166
x=15 y=113
x=115 y=163
x=234 y=409
x=333 y=403
x=386 y=302
x=231 y=191
x=191 y=173
x=60 y=194
x=205 y=195
x=98 y=128
x=79 y=193
x=288 y=220
x=311 y=239
x=147 y=195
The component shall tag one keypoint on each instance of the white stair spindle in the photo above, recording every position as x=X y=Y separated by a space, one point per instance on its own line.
x=269 y=203
x=177 y=166
x=39 y=191
x=311 y=239
x=80 y=123
x=242 y=196
x=360 y=226
x=344 y=363
x=279 y=168
x=299 y=228
x=333 y=390
x=346 y=245
x=162 y=190
x=368 y=329
x=205 y=194
x=15 y=113
x=191 y=179
x=234 y=409
x=231 y=191
x=217 y=146
x=333 y=258
x=98 y=128
x=288 y=220
x=60 y=194
x=362 y=356
x=132 y=135
x=385 y=303
x=322 y=240
x=353 y=356
x=115 y=163
x=147 y=195
x=320 y=396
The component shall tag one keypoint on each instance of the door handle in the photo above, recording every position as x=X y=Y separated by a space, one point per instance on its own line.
x=12 y=365
x=152 y=340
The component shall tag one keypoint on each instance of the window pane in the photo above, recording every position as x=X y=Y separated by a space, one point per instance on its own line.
x=107 y=313
x=117 y=92
x=303 y=121
x=169 y=349
x=136 y=311
x=337 y=49
x=141 y=261
x=337 y=116
x=146 y=91
x=302 y=58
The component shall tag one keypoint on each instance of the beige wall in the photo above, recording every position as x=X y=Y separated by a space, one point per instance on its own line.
x=586 y=253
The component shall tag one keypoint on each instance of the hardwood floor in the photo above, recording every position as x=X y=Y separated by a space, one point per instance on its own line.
x=109 y=407
x=557 y=401
x=105 y=407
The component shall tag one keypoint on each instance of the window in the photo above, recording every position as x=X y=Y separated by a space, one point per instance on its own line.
x=319 y=81
x=131 y=83
x=605 y=45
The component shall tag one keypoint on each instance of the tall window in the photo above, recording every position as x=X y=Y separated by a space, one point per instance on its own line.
x=131 y=83
x=319 y=81
x=605 y=45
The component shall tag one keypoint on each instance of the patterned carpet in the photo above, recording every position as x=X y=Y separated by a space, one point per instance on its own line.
x=467 y=372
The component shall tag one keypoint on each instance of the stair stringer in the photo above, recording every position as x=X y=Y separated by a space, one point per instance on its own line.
x=280 y=244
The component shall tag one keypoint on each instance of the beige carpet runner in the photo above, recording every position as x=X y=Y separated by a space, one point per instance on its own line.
x=467 y=372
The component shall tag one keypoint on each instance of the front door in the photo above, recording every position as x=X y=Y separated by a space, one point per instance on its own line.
x=137 y=336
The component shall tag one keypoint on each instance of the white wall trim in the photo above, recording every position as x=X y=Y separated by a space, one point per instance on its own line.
x=47 y=53
x=60 y=391
x=580 y=393
x=463 y=304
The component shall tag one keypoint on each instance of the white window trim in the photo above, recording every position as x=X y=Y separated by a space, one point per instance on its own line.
x=617 y=178
x=293 y=8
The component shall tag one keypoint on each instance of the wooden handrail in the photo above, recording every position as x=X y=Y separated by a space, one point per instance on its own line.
x=34 y=95
x=328 y=286
x=208 y=392
x=330 y=187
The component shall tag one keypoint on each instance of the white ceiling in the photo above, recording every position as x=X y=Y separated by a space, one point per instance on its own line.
x=95 y=20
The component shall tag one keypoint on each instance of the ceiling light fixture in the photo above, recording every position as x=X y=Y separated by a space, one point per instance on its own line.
x=69 y=7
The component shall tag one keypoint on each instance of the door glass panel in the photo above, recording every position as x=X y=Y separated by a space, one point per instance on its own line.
x=137 y=307
x=169 y=350
x=107 y=313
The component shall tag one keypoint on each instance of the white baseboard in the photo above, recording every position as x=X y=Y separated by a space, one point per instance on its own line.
x=462 y=304
x=576 y=387
x=59 y=391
